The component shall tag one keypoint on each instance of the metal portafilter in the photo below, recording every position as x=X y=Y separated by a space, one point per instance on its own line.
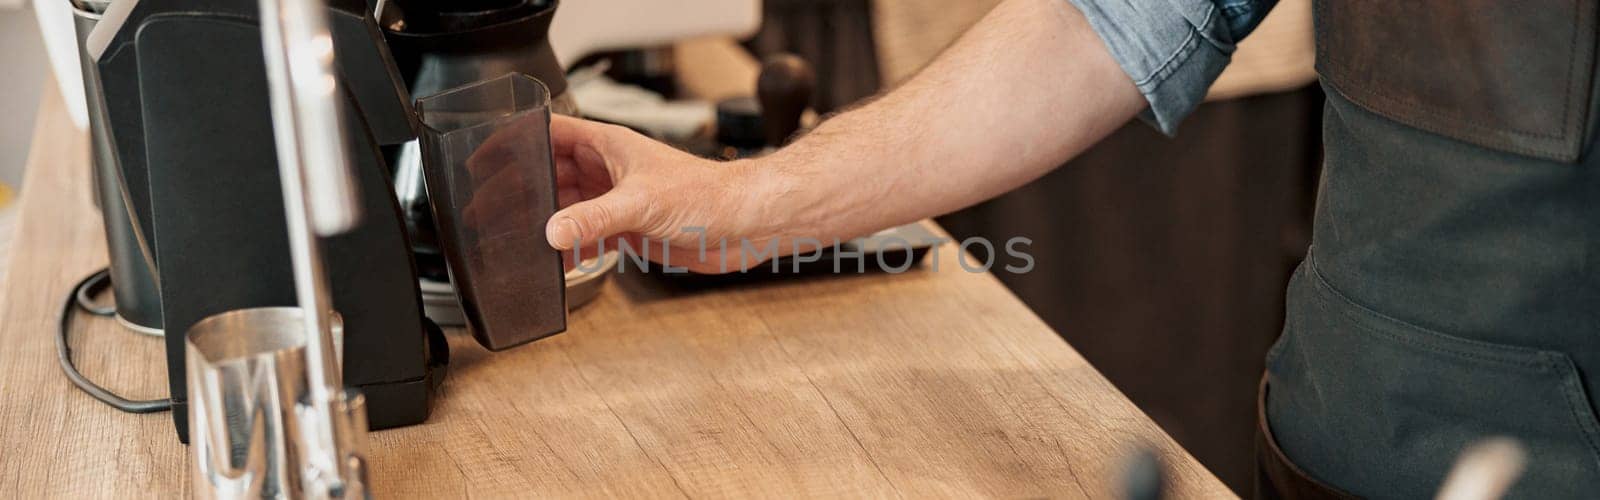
x=270 y=415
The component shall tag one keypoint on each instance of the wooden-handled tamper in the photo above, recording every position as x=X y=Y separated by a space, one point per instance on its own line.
x=784 y=89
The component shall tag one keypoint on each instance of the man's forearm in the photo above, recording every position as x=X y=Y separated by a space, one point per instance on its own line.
x=1027 y=88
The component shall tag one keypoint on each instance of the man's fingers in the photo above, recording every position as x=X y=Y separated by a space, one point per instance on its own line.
x=566 y=133
x=588 y=221
x=593 y=144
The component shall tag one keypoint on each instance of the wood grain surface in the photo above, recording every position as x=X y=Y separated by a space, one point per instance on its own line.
x=923 y=384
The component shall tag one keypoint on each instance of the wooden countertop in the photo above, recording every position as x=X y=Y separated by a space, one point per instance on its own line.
x=913 y=385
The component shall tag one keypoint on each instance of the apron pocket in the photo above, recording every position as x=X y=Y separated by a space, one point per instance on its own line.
x=1382 y=408
x=1510 y=76
x=1276 y=476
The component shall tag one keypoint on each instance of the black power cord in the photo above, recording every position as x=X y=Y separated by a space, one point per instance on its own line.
x=80 y=298
x=88 y=288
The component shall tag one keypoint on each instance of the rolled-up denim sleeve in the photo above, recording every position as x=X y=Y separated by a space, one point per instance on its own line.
x=1172 y=49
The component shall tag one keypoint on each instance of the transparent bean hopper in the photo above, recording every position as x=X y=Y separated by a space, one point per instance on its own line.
x=490 y=174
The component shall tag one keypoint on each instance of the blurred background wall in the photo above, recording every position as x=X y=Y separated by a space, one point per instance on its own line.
x=25 y=71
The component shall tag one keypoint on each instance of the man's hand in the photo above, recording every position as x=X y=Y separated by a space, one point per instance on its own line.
x=618 y=187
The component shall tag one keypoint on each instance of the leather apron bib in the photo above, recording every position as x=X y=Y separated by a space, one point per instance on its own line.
x=1452 y=291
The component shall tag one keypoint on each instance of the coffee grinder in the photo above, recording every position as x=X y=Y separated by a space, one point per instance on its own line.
x=184 y=98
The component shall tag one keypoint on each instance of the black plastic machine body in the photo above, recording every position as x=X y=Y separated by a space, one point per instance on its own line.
x=186 y=101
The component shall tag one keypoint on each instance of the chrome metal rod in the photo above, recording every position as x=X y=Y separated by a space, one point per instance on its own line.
x=319 y=200
x=306 y=98
x=290 y=32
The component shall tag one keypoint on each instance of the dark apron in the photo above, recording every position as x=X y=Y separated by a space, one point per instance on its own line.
x=1452 y=290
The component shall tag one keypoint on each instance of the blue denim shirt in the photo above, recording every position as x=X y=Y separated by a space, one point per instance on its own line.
x=1173 y=49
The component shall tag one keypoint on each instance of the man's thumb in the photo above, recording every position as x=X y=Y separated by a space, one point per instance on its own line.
x=589 y=221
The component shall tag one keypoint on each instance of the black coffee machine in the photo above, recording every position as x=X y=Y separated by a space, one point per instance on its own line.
x=186 y=109
x=440 y=45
